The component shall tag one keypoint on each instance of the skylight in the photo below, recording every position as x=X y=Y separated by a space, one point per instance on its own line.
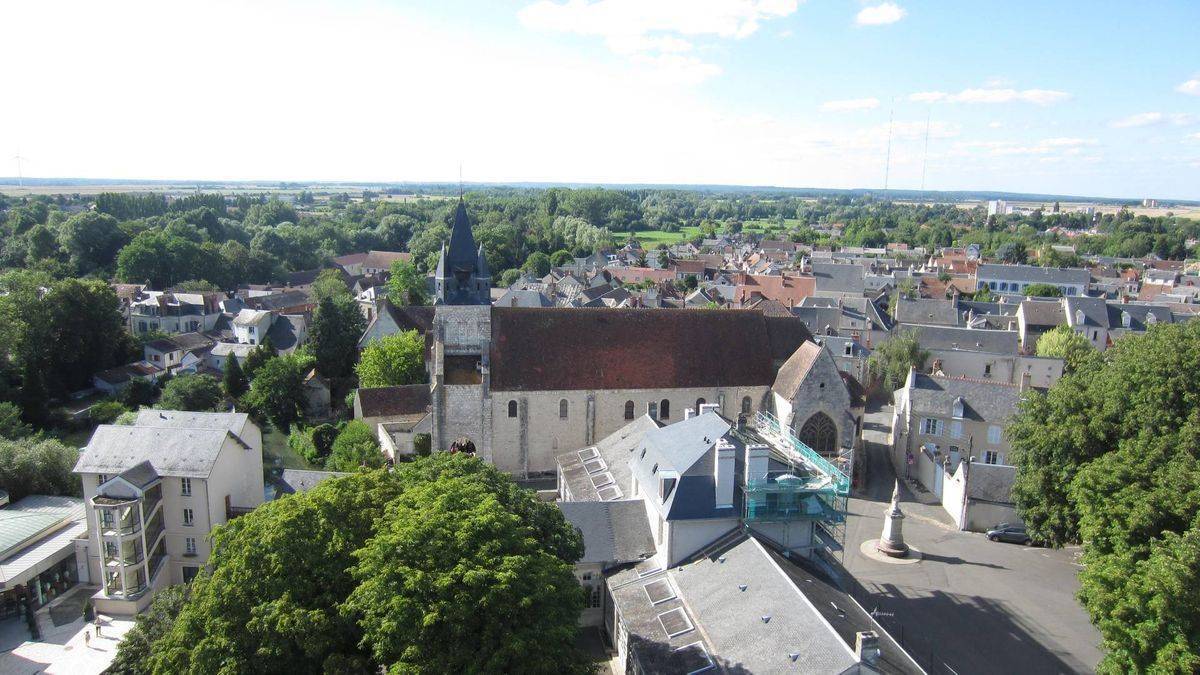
x=675 y=622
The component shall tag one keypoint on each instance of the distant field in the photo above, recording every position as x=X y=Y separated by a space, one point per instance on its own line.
x=655 y=237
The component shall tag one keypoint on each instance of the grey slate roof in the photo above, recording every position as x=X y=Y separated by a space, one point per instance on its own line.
x=1042 y=312
x=616 y=451
x=839 y=278
x=1138 y=315
x=991 y=482
x=182 y=419
x=1030 y=274
x=706 y=598
x=140 y=475
x=524 y=298
x=982 y=400
x=179 y=452
x=284 y=332
x=613 y=532
x=927 y=311
x=967 y=339
x=1095 y=311
x=297 y=480
x=680 y=447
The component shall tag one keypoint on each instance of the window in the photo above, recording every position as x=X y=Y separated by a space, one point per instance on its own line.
x=931 y=427
x=101 y=478
x=994 y=434
x=189 y=546
x=628 y=410
x=956 y=429
x=562 y=409
x=746 y=404
x=664 y=409
x=189 y=573
x=652 y=409
x=188 y=518
x=1095 y=335
x=141 y=326
x=185 y=487
x=991 y=457
x=512 y=408
x=699 y=402
x=594 y=596
x=820 y=433
x=987 y=370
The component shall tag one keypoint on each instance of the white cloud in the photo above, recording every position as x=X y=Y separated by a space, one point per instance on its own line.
x=1194 y=137
x=880 y=15
x=649 y=30
x=1148 y=119
x=851 y=104
x=1192 y=87
x=1063 y=146
x=995 y=125
x=992 y=95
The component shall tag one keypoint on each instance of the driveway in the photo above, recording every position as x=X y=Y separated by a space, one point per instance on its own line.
x=970 y=605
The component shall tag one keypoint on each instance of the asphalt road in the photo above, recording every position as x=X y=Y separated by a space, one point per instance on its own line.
x=971 y=605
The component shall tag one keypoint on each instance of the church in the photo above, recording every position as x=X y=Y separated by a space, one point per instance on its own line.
x=521 y=385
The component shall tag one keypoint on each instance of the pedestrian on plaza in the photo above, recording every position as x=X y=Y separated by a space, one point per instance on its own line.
x=97 y=626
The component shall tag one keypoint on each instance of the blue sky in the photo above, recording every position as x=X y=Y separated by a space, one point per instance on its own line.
x=1089 y=98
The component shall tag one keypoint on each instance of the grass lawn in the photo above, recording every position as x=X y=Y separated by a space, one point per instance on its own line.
x=652 y=238
x=74 y=439
x=277 y=452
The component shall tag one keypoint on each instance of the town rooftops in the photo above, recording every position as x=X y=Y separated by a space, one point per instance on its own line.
x=536 y=349
x=176 y=443
x=372 y=259
x=613 y=532
x=1041 y=312
x=1031 y=274
x=983 y=400
x=927 y=311
x=838 y=277
x=795 y=369
x=678 y=449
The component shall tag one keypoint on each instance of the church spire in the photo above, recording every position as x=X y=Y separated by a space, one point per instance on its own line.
x=462 y=274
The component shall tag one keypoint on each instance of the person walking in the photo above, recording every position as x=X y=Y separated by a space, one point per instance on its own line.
x=97 y=626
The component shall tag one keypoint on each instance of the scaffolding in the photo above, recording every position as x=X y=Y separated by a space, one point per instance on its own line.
x=809 y=488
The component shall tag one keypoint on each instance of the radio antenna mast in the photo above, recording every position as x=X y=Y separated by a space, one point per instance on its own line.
x=925 y=157
x=887 y=167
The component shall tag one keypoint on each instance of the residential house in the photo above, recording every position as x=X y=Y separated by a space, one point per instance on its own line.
x=396 y=415
x=185 y=352
x=174 y=312
x=1014 y=279
x=940 y=425
x=985 y=355
x=371 y=262
x=154 y=492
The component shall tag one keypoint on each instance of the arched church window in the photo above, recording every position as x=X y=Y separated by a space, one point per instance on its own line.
x=562 y=409
x=652 y=409
x=746 y=403
x=820 y=434
x=699 y=402
x=512 y=408
x=664 y=409
x=628 y=410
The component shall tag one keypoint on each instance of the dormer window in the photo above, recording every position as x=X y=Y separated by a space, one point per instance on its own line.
x=1126 y=319
x=1079 y=319
x=958 y=408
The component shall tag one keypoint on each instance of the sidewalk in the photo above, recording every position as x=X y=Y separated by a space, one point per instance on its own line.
x=62 y=649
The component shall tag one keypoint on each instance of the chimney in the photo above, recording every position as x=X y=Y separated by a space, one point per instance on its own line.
x=724 y=478
x=866 y=646
x=757 y=461
x=689 y=413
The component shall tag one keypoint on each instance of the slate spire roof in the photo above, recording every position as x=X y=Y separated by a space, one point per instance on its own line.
x=463 y=253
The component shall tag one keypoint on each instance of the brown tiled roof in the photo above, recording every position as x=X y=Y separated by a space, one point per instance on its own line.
x=786 y=334
x=539 y=349
x=793 y=372
x=410 y=399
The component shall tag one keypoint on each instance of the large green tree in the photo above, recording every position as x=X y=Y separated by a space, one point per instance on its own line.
x=197 y=393
x=296 y=586
x=355 y=446
x=136 y=647
x=406 y=284
x=337 y=326
x=1110 y=456
x=38 y=466
x=895 y=356
x=277 y=391
x=92 y=239
x=393 y=360
x=1064 y=343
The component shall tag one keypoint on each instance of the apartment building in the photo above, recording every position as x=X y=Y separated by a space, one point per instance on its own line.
x=154 y=491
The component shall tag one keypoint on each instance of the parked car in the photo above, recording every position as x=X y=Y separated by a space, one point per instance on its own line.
x=1013 y=533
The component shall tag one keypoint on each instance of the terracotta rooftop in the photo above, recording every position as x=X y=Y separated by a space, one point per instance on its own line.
x=539 y=349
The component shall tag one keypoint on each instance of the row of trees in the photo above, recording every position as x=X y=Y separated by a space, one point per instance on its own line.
x=442 y=565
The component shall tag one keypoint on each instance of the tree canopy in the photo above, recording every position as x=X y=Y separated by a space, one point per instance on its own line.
x=393 y=360
x=38 y=466
x=355 y=446
x=337 y=325
x=277 y=391
x=895 y=356
x=1043 y=291
x=395 y=570
x=1064 y=343
x=1110 y=456
x=197 y=393
x=406 y=285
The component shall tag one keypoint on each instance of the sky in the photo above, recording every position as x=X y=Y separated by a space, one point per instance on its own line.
x=1095 y=97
